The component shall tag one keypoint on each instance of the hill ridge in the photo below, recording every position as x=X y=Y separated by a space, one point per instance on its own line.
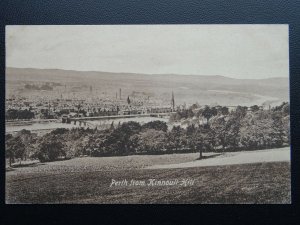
x=142 y=74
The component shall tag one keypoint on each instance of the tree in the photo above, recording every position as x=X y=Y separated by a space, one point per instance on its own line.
x=221 y=131
x=193 y=136
x=103 y=144
x=190 y=113
x=28 y=139
x=278 y=127
x=130 y=127
x=286 y=125
x=254 y=108
x=112 y=127
x=119 y=139
x=194 y=106
x=176 y=138
x=151 y=141
x=198 y=142
x=191 y=129
x=286 y=109
x=59 y=131
x=240 y=112
x=14 y=148
x=53 y=145
x=224 y=111
x=156 y=125
x=232 y=129
x=263 y=130
x=208 y=112
x=50 y=150
x=199 y=139
x=9 y=149
x=13 y=114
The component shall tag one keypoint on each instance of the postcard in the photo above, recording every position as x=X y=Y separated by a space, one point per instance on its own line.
x=147 y=114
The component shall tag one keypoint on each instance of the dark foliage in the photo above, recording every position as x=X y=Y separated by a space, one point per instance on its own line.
x=156 y=125
x=13 y=114
x=240 y=129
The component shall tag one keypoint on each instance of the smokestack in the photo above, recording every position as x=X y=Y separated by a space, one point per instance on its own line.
x=173 y=101
x=120 y=94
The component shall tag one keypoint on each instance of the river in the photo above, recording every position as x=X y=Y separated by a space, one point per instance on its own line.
x=51 y=125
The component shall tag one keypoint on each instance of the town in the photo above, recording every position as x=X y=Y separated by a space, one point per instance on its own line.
x=59 y=104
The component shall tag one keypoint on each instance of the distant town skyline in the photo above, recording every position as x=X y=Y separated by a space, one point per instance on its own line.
x=237 y=51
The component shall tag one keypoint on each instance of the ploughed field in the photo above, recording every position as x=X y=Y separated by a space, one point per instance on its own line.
x=88 y=180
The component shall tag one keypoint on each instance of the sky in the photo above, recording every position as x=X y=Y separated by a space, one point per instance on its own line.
x=237 y=51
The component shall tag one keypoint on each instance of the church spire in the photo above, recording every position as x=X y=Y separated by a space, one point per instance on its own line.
x=128 y=100
x=173 y=102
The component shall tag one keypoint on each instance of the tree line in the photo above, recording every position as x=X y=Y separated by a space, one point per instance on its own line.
x=222 y=131
x=14 y=114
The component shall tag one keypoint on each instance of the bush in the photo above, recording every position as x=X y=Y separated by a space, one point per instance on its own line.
x=50 y=151
x=151 y=141
x=156 y=125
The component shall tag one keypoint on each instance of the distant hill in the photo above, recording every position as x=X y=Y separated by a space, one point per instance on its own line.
x=187 y=88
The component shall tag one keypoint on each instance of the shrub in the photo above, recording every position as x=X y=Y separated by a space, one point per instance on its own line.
x=50 y=151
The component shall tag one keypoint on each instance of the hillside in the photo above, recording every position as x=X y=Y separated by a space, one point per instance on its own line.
x=187 y=88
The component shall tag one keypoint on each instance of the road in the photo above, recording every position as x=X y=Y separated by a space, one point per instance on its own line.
x=232 y=158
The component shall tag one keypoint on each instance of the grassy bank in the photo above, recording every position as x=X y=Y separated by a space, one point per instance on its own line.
x=249 y=183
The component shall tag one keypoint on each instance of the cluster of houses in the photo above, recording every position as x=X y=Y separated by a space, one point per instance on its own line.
x=92 y=105
x=56 y=108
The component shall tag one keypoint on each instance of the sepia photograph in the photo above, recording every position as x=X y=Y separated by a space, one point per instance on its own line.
x=147 y=114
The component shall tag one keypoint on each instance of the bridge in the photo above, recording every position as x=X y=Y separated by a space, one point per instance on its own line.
x=84 y=120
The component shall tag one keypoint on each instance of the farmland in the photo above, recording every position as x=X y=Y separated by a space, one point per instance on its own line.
x=87 y=180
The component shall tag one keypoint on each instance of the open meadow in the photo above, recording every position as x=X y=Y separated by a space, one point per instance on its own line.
x=88 y=180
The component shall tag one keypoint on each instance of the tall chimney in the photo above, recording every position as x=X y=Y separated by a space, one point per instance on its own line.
x=173 y=101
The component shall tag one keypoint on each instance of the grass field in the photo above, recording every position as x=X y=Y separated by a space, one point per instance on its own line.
x=87 y=180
